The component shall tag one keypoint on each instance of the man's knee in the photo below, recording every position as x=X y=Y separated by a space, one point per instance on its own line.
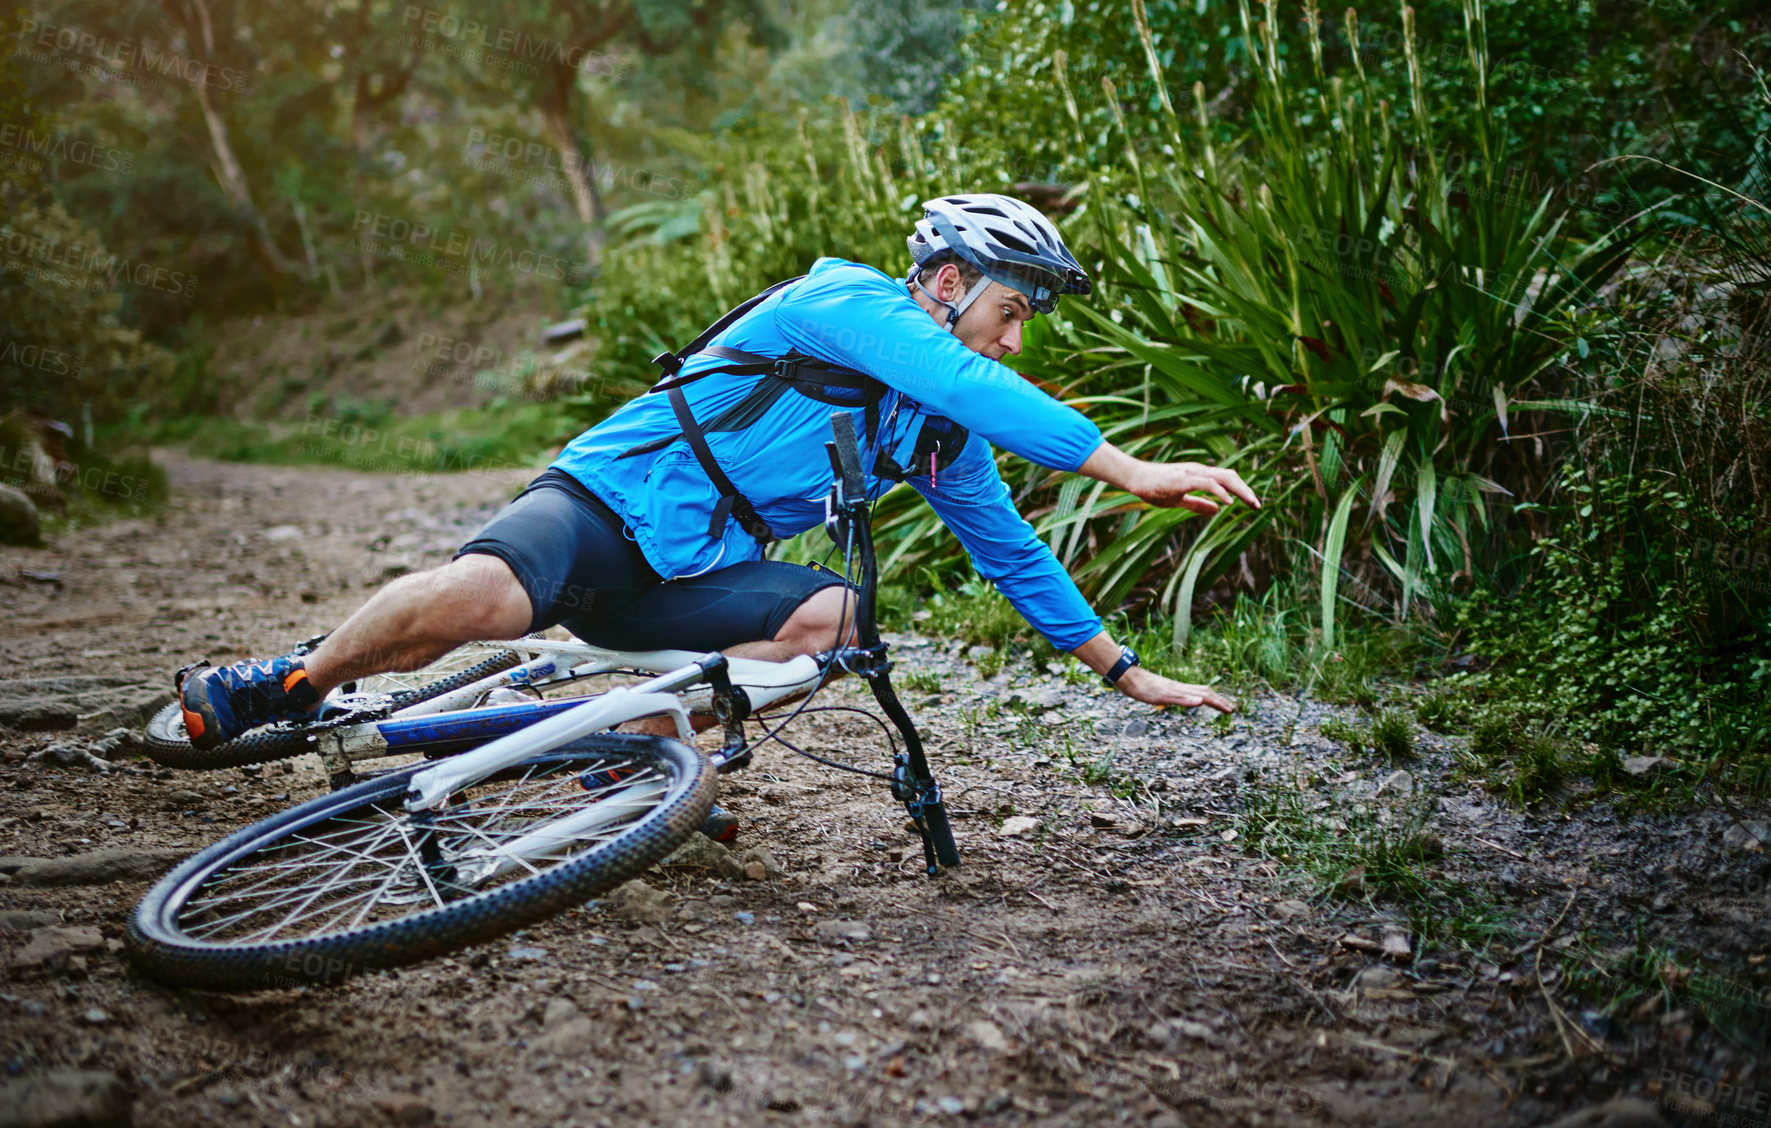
x=814 y=623
x=482 y=594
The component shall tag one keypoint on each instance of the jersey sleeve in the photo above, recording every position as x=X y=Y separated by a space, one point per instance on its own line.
x=856 y=317
x=971 y=498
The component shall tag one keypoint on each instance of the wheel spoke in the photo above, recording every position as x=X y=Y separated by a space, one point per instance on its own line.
x=367 y=864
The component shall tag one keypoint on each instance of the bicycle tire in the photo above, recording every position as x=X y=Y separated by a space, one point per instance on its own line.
x=374 y=835
x=168 y=745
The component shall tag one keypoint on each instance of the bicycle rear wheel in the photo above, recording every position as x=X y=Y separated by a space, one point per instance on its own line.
x=351 y=881
x=168 y=744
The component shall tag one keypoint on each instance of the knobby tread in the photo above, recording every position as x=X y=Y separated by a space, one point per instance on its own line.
x=167 y=744
x=162 y=951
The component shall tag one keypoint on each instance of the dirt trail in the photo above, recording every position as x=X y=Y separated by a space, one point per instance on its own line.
x=1118 y=960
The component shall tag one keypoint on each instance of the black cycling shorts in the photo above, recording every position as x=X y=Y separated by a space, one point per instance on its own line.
x=582 y=570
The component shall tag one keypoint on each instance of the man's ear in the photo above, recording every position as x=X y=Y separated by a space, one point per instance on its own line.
x=949 y=286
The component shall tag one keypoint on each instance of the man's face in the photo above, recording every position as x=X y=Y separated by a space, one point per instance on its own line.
x=991 y=325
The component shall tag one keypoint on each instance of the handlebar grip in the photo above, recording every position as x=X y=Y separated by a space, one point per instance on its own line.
x=848 y=452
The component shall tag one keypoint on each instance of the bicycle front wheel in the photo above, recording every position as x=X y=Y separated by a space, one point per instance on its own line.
x=352 y=881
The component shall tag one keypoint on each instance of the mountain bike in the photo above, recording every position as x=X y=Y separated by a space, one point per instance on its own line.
x=454 y=851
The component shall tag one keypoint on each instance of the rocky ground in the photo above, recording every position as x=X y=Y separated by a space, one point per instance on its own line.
x=1159 y=920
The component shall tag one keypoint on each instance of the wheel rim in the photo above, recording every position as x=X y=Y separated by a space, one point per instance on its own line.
x=371 y=863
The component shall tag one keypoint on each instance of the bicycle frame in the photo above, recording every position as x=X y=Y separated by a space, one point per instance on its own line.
x=734 y=687
x=431 y=787
x=453 y=717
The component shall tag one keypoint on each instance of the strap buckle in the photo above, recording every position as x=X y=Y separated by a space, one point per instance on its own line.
x=670 y=362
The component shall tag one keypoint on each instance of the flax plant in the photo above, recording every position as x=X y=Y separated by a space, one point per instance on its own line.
x=1330 y=310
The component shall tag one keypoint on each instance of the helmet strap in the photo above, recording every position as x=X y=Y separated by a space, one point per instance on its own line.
x=965 y=301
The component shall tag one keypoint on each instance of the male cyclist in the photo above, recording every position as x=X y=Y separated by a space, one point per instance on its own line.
x=648 y=531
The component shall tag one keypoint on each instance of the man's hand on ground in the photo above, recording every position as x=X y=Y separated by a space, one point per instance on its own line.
x=1154 y=689
x=1173 y=484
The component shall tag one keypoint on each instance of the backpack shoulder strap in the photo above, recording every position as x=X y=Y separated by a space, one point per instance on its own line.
x=672 y=362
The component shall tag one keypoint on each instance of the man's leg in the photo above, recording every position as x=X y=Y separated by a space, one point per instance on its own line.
x=811 y=628
x=553 y=541
x=417 y=619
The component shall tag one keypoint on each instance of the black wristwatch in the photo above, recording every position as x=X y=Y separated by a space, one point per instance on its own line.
x=1127 y=659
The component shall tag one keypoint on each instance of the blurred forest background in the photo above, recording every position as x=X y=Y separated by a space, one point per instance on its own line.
x=1474 y=294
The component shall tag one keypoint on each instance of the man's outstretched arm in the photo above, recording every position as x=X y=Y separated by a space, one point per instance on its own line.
x=1171 y=485
x=1168 y=484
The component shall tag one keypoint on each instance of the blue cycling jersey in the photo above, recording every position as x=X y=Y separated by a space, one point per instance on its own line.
x=856 y=317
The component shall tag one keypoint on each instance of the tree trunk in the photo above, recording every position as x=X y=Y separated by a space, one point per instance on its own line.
x=194 y=23
x=233 y=181
x=556 y=114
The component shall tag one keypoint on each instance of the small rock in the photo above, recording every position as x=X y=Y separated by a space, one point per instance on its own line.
x=18 y=518
x=715 y=1076
x=181 y=799
x=50 y=946
x=703 y=852
x=1192 y=1029
x=987 y=1035
x=1378 y=978
x=1398 y=783
x=66 y=1098
x=118 y=744
x=1396 y=946
x=1291 y=909
x=99 y=867
x=96 y=1016
x=1137 y=726
x=408 y=1112
x=761 y=857
x=521 y=952
x=1018 y=826
x=23 y=920
x=69 y=754
x=640 y=902
x=1752 y=835
x=1640 y=766
x=1102 y=820
x=841 y=931
x=952 y=1106
x=573 y=1037
x=558 y=1013
x=1624 y=1112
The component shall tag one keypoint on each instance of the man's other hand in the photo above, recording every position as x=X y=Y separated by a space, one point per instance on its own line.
x=1154 y=689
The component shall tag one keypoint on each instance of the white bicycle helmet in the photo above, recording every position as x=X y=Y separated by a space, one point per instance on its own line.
x=1010 y=241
